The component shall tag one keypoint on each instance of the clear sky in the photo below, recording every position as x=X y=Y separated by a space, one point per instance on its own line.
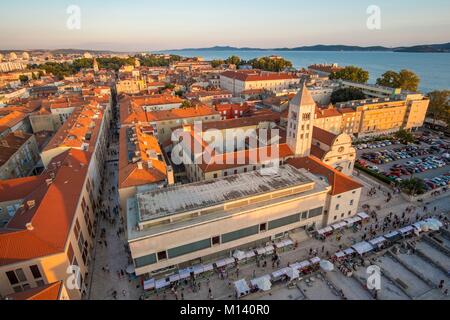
x=140 y=25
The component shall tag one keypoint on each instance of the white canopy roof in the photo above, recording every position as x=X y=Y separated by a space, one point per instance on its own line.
x=280 y=273
x=391 y=234
x=284 y=243
x=174 y=278
x=198 y=269
x=262 y=283
x=339 y=225
x=292 y=273
x=225 y=262
x=270 y=248
x=362 y=247
x=326 y=265
x=250 y=254
x=208 y=267
x=324 y=230
x=161 y=283
x=340 y=254
x=185 y=273
x=377 y=241
x=406 y=230
x=149 y=284
x=352 y=220
x=315 y=260
x=363 y=215
x=240 y=255
x=242 y=287
x=349 y=251
x=260 y=251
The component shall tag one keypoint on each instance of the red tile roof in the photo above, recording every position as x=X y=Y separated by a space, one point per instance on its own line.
x=324 y=136
x=257 y=75
x=340 y=182
x=47 y=292
x=41 y=228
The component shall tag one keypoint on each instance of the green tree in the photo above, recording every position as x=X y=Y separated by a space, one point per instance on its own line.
x=346 y=94
x=270 y=64
x=439 y=108
x=405 y=136
x=351 y=73
x=186 y=104
x=217 y=63
x=405 y=79
x=413 y=186
x=23 y=78
x=233 y=60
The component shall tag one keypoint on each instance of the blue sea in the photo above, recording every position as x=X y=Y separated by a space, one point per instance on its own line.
x=432 y=68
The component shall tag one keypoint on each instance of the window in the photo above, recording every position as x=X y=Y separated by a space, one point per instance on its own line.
x=337 y=207
x=215 y=175
x=12 y=277
x=284 y=221
x=145 y=261
x=304 y=215
x=162 y=255
x=35 y=271
x=335 y=217
x=315 y=212
x=263 y=227
x=70 y=253
x=242 y=233
x=216 y=241
x=225 y=174
x=351 y=202
x=21 y=275
x=188 y=248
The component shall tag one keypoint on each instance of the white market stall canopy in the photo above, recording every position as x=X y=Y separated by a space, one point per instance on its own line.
x=315 y=260
x=349 y=251
x=292 y=273
x=362 y=247
x=353 y=220
x=161 y=283
x=363 y=215
x=250 y=254
x=339 y=225
x=340 y=254
x=284 y=243
x=406 y=230
x=198 y=269
x=326 y=265
x=239 y=255
x=242 y=287
x=270 y=249
x=261 y=251
x=225 y=262
x=377 y=241
x=280 y=273
x=262 y=283
x=185 y=273
x=325 y=230
x=392 y=234
x=149 y=284
x=208 y=267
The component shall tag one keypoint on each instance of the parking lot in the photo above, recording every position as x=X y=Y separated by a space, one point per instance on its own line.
x=427 y=159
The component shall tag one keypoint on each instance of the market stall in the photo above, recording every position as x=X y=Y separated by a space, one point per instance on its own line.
x=149 y=284
x=240 y=256
x=185 y=273
x=279 y=274
x=378 y=243
x=242 y=289
x=393 y=236
x=198 y=269
x=406 y=231
x=326 y=266
x=161 y=284
x=362 y=248
x=339 y=226
x=292 y=274
x=270 y=249
x=284 y=245
x=324 y=233
x=262 y=283
x=364 y=217
x=315 y=264
x=224 y=263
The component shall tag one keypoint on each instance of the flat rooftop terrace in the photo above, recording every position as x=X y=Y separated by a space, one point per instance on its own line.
x=197 y=196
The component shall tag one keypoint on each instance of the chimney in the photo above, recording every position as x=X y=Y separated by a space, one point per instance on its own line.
x=29 y=226
x=140 y=166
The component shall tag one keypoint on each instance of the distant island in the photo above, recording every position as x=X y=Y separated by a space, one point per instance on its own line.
x=431 y=48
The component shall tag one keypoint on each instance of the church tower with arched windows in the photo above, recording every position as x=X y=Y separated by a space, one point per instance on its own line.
x=301 y=122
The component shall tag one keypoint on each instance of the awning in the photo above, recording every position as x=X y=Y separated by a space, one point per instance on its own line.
x=363 y=215
x=174 y=278
x=292 y=273
x=377 y=241
x=250 y=254
x=339 y=225
x=198 y=269
x=208 y=267
x=161 y=283
x=362 y=247
x=260 y=251
x=185 y=273
x=149 y=284
x=262 y=283
x=242 y=287
x=353 y=220
x=326 y=265
x=270 y=249
x=284 y=243
x=301 y=265
x=406 y=230
x=325 y=230
x=349 y=251
x=434 y=224
x=392 y=235
x=239 y=255
x=315 y=260
x=280 y=273
x=340 y=254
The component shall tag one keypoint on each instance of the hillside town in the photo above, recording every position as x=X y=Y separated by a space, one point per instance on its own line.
x=160 y=177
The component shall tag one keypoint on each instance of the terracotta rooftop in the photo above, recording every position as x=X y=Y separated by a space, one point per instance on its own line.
x=327 y=113
x=11 y=119
x=257 y=75
x=340 y=182
x=42 y=225
x=49 y=292
x=324 y=136
x=153 y=168
x=11 y=143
